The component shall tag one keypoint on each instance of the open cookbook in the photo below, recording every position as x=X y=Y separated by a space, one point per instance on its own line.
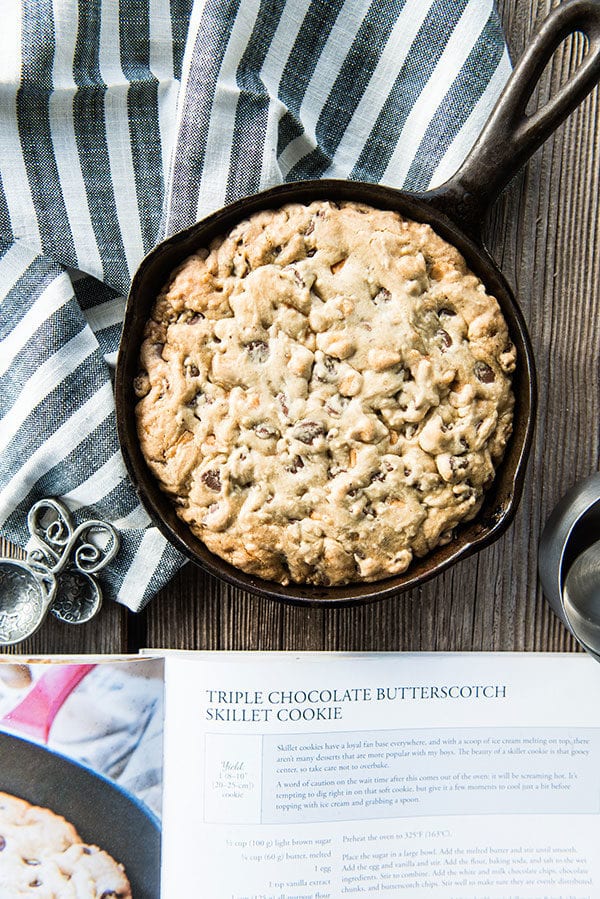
x=300 y=776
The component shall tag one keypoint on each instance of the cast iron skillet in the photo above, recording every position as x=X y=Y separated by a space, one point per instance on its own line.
x=455 y=210
x=102 y=813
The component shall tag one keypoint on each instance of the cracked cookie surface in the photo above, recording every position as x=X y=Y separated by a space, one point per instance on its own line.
x=325 y=393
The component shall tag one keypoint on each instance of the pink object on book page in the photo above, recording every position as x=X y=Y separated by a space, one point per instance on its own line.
x=34 y=714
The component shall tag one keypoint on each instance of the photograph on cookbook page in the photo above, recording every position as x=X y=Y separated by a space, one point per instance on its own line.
x=317 y=776
x=81 y=751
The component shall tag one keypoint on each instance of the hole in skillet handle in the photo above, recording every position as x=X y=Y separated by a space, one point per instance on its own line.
x=455 y=210
x=511 y=135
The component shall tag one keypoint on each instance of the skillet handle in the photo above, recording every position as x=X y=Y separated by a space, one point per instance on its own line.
x=511 y=136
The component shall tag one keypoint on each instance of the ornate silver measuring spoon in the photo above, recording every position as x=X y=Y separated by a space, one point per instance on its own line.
x=58 y=573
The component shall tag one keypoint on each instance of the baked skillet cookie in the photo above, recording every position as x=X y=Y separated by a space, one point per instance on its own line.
x=44 y=856
x=325 y=392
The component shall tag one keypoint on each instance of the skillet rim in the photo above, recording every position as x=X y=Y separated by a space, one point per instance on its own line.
x=499 y=507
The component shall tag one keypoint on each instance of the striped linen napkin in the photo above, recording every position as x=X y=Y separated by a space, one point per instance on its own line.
x=120 y=123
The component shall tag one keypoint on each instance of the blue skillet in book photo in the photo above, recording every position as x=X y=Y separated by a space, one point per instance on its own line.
x=455 y=211
x=81 y=776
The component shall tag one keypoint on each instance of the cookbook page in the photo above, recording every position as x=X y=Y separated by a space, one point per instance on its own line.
x=317 y=776
x=80 y=776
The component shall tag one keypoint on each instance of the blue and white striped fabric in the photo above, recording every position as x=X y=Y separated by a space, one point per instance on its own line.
x=121 y=122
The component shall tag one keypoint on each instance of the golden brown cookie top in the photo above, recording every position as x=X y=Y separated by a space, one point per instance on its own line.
x=42 y=855
x=325 y=392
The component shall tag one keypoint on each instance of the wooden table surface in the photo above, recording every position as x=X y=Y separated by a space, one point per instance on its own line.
x=544 y=232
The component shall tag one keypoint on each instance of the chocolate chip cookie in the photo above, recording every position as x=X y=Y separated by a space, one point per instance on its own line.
x=325 y=392
x=43 y=856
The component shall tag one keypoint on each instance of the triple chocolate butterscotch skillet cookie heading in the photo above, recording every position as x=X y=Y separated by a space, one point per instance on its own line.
x=325 y=393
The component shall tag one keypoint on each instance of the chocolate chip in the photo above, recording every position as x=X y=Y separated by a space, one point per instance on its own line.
x=336 y=405
x=36 y=883
x=110 y=894
x=202 y=399
x=87 y=850
x=458 y=464
x=378 y=476
x=484 y=373
x=192 y=371
x=325 y=369
x=463 y=492
x=186 y=319
x=258 y=350
x=308 y=431
x=212 y=480
x=444 y=338
x=445 y=311
x=296 y=465
x=298 y=277
x=2 y=843
x=283 y=402
x=382 y=296
x=265 y=431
